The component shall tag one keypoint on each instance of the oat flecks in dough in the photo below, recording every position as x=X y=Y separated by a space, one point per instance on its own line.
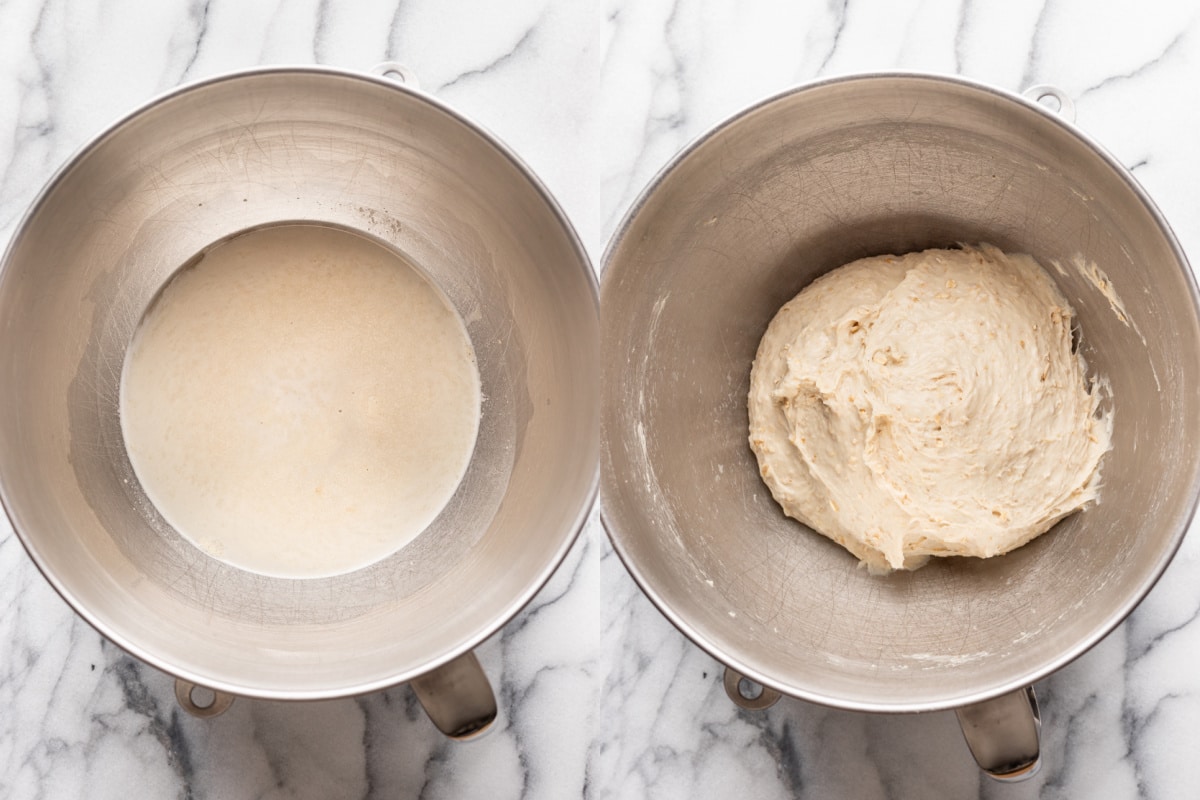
x=927 y=405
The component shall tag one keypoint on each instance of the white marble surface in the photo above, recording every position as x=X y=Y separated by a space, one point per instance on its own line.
x=600 y=697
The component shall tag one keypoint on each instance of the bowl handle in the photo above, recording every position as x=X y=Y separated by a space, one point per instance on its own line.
x=1051 y=96
x=1004 y=734
x=191 y=699
x=457 y=697
x=397 y=72
x=748 y=694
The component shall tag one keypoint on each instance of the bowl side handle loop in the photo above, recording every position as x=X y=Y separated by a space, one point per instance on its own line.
x=1004 y=734
x=397 y=72
x=1051 y=96
x=457 y=697
x=747 y=693
x=200 y=701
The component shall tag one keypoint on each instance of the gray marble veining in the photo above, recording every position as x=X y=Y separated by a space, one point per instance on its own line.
x=600 y=697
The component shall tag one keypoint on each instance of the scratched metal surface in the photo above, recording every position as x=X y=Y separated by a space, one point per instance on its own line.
x=150 y=196
x=751 y=214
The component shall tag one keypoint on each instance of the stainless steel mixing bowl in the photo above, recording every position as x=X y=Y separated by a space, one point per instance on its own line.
x=751 y=213
x=257 y=148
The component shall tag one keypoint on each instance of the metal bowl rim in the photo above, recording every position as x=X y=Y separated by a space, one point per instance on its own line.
x=587 y=501
x=616 y=534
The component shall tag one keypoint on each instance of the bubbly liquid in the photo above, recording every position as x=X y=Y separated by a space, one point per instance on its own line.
x=301 y=402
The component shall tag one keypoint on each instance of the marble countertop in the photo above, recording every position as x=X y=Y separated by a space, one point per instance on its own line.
x=600 y=696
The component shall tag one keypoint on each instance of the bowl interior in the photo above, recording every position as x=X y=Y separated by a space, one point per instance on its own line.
x=257 y=149
x=749 y=216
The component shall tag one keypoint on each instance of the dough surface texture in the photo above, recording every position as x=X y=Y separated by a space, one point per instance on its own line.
x=301 y=402
x=927 y=405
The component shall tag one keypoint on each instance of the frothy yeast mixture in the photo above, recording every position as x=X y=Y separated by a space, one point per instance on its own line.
x=927 y=405
x=301 y=402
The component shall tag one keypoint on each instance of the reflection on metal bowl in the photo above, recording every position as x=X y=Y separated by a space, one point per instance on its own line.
x=258 y=148
x=751 y=213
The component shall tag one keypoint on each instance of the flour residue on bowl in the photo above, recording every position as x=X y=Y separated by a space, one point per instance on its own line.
x=1090 y=271
x=301 y=402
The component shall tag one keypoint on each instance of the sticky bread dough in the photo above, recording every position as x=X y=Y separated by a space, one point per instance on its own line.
x=927 y=405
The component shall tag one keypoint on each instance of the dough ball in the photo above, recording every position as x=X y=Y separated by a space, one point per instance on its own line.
x=927 y=405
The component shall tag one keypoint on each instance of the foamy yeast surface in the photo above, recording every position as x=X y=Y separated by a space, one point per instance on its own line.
x=301 y=402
